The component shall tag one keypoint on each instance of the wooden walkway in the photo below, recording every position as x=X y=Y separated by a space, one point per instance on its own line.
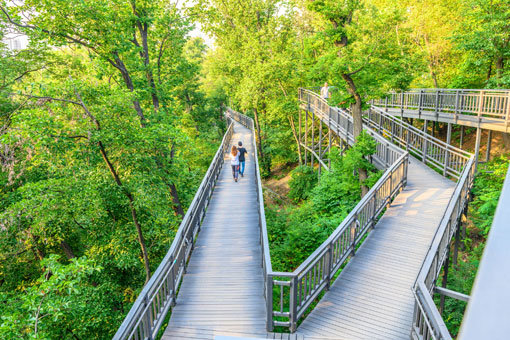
x=221 y=296
x=372 y=298
x=222 y=291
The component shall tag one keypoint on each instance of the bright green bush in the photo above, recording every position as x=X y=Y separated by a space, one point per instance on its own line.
x=296 y=231
x=303 y=180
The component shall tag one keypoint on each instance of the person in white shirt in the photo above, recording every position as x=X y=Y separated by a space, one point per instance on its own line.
x=234 y=162
x=325 y=91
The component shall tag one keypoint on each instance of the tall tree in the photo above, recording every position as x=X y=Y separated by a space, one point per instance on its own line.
x=357 y=46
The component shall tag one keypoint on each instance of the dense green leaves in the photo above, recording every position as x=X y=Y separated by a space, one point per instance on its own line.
x=296 y=231
x=104 y=138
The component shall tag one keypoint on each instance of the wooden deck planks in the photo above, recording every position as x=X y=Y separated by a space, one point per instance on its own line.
x=222 y=291
x=372 y=298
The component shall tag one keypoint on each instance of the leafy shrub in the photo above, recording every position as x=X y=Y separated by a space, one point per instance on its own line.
x=295 y=232
x=303 y=179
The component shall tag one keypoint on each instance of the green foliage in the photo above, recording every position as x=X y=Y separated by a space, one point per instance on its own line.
x=53 y=306
x=486 y=191
x=103 y=139
x=303 y=180
x=339 y=189
x=296 y=231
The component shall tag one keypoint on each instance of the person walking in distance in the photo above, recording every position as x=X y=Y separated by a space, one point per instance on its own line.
x=325 y=91
x=242 y=160
x=234 y=162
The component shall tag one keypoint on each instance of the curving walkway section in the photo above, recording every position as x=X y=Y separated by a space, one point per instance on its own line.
x=222 y=290
x=372 y=297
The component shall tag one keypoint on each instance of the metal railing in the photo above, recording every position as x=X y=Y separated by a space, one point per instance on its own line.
x=340 y=121
x=487 y=310
x=295 y=291
x=159 y=294
x=427 y=321
x=448 y=159
x=493 y=104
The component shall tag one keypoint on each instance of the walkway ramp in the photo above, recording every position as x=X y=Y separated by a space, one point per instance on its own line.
x=372 y=297
x=222 y=290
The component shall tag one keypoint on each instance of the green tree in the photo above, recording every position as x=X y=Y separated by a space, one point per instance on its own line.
x=355 y=43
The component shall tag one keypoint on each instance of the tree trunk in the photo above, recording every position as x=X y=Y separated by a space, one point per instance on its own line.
x=433 y=76
x=259 y=138
x=143 y=29
x=357 y=125
x=500 y=64
x=134 y=215
x=292 y=126
x=506 y=139
x=296 y=138
x=126 y=192
x=173 y=189
x=67 y=249
x=119 y=64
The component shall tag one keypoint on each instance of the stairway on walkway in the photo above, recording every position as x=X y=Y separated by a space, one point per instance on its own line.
x=372 y=297
x=222 y=290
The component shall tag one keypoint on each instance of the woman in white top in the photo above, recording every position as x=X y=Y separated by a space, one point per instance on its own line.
x=234 y=162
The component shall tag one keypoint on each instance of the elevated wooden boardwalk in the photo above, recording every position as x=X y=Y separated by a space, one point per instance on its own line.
x=372 y=297
x=222 y=291
x=446 y=117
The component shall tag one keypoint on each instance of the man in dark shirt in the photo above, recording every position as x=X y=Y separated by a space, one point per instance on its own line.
x=242 y=152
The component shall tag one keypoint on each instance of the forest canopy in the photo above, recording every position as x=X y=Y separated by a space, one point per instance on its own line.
x=111 y=114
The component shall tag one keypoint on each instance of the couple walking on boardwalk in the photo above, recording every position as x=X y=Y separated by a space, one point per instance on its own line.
x=237 y=160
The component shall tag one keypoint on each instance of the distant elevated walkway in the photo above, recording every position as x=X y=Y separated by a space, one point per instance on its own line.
x=485 y=109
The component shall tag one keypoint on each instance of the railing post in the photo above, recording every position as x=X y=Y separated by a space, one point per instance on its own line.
x=420 y=103
x=408 y=138
x=447 y=151
x=269 y=302
x=329 y=266
x=148 y=328
x=380 y=122
x=392 y=129
x=456 y=105
x=507 y=118
x=480 y=106
x=293 y=304
x=401 y=103
x=425 y=144
x=436 y=106
x=172 y=281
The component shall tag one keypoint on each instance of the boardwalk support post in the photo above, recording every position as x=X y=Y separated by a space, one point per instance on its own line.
x=477 y=146
x=425 y=142
x=329 y=266
x=293 y=303
x=269 y=302
x=445 y=279
x=461 y=136
x=488 y=151
x=447 y=151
